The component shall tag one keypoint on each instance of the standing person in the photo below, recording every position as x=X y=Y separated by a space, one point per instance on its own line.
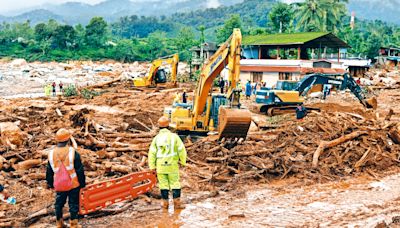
x=248 y=89
x=47 y=89
x=54 y=88
x=166 y=152
x=61 y=87
x=255 y=88
x=326 y=90
x=66 y=176
x=221 y=84
x=184 y=97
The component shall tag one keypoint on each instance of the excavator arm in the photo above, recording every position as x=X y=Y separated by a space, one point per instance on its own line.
x=208 y=110
x=150 y=79
x=233 y=121
x=344 y=82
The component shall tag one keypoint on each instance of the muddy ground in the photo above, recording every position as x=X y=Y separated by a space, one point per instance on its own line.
x=268 y=180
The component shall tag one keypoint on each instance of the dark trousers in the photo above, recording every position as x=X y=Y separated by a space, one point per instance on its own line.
x=222 y=89
x=73 y=202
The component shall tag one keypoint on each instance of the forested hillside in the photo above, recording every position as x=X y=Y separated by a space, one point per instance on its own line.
x=135 y=37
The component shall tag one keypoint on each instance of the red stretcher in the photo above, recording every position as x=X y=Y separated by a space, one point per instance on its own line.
x=97 y=196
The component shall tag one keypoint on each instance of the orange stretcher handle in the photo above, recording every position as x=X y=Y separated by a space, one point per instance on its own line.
x=97 y=196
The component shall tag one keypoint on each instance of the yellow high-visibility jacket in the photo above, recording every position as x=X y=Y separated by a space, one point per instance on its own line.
x=166 y=151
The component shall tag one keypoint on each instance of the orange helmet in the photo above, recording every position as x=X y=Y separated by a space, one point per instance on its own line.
x=63 y=135
x=163 y=121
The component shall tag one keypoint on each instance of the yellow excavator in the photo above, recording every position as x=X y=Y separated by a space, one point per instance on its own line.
x=157 y=75
x=210 y=112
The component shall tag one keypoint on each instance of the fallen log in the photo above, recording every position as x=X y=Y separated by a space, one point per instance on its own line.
x=25 y=165
x=126 y=149
x=121 y=169
x=326 y=145
x=142 y=124
x=256 y=152
x=37 y=215
x=361 y=162
x=37 y=176
x=217 y=159
x=302 y=147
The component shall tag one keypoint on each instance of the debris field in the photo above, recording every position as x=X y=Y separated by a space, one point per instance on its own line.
x=113 y=131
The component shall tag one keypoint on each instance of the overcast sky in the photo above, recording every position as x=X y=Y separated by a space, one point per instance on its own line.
x=7 y=6
x=10 y=5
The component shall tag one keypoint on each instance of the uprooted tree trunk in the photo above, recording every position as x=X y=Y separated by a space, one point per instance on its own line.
x=326 y=145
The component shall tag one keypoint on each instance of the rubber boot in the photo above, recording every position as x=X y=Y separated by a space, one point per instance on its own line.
x=74 y=224
x=165 y=204
x=178 y=204
x=59 y=223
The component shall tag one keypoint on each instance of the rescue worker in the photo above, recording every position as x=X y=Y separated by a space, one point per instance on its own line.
x=61 y=87
x=47 y=90
x=184 y=97
x=221 y=85
x=166 y=152
x=65 y=156
x=54 y=88
x=248 y=89
x=177 y=97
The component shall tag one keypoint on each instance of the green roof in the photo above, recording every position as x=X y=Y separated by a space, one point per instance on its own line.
x=282 y=38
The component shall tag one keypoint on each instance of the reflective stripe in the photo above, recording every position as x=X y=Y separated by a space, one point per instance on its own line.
x=51 y=155
x=171 y=146
x=70 y=167
x=71 y=159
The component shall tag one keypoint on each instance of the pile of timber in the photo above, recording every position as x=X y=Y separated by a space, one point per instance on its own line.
x=324 y=146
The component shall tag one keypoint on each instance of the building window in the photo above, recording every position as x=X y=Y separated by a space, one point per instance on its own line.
x=285 y=76
x=256 y=76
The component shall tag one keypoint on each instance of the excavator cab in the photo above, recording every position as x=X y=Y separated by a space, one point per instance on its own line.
x=161 y=76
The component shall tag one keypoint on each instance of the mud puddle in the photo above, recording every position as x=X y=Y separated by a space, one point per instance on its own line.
x=358 y=202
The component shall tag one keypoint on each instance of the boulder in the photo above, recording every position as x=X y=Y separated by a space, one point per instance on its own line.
x=11 y=134
x=19 y=62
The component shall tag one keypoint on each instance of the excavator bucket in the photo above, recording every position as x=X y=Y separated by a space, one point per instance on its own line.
x=233 y=122
x=97 y=196
x=372 y=103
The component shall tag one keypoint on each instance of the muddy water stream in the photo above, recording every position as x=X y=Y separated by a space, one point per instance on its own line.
x=358 y=202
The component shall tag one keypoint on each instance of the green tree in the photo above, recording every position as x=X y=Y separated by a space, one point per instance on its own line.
x=124 y=51
x=319 y=15
x=156 y=45
x=225 y=32
x=184 y=42
x=64 y=36
x=280 y=17
x=96 y=32
x=201 y=29
x=80 y=35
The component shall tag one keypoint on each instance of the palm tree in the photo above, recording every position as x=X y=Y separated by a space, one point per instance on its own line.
x=319 y=15
x=309 y=15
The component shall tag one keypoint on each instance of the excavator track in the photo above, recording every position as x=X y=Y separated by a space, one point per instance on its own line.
x=233 y=122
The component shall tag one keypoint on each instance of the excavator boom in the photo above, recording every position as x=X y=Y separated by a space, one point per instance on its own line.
x=209 y=111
